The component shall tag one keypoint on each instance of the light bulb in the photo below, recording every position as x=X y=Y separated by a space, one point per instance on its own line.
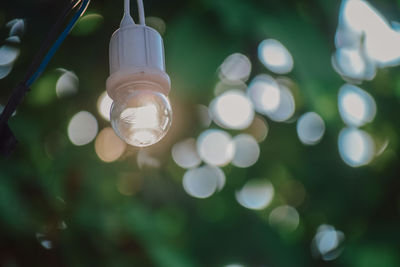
x=141 y=116
x=138 y=84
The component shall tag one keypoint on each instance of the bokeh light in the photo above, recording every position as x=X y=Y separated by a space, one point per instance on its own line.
x=88 y=24
x=351 y=63
x=310 y=128
x=356 y=107
x=235 y=68
x=203 y=115
x=185 y=154
x=256 y=194
x=247 y=151
x=17 y=27
x=44 y=241
x=203 y=181
x=5 y=70
x=109 y=147
x=356 y=147
x=265 y=94
x=129 y=184
x=232 y=110
x=145 y=159
x=104 y=104
x=328 y=242
x=258 y=129
x=216 y=147
x=362 y=24
x=274 y=55
x=223 y=86
x=286 y=108
x=284 y=218
x=82 y=128
x=8 y=54
x=157 y=23
x=67 y=84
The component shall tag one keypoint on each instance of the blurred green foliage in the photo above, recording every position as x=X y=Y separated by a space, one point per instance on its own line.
x=48 y=180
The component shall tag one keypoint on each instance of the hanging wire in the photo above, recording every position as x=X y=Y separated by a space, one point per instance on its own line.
x=141 y=12
x=7 y=139
x=58 y=43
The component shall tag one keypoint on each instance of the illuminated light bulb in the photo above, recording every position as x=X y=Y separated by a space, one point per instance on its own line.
x=141 y=114
x=141 y=117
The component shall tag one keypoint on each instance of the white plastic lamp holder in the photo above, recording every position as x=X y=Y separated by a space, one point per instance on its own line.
x=141 y=114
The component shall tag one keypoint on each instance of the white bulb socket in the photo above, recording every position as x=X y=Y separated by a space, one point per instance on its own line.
x=136 y=57
x=141 y=114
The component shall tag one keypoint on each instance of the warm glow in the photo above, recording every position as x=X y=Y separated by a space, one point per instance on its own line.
x=108 y=146
x=104 y=104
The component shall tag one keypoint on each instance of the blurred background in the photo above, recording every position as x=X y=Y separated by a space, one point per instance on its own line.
x=283 y=150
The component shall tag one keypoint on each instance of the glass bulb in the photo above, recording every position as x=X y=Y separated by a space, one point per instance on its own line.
x=141 y=117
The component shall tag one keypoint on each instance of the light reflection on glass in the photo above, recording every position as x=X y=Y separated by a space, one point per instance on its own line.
x=232 y=110
x=256 y=194
x=235 y=68
x=356 y=147
x=275 y=56
x=284 y=218
x=203 y=181
x=356 y=107
x=247 y=151
x=215 y=147
x=310 y=128
x=82 y=128
x=185 y=154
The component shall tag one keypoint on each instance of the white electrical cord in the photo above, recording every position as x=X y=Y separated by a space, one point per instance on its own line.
x=127 y=10
x=127 y=19
x=141 y=12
